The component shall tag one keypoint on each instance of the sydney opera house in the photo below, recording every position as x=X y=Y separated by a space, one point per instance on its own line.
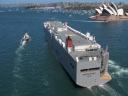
x=110 y=12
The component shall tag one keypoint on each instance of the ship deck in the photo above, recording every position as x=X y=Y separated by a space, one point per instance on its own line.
x=78 y=40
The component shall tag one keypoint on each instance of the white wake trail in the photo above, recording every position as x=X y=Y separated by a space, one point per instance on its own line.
x=117 y=72
x=17 y=69
x=117 y=69
x=18 y=61
x=98 y=90
x=110 y=90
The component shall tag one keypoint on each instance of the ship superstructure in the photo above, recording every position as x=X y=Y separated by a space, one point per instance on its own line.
x=81 y=56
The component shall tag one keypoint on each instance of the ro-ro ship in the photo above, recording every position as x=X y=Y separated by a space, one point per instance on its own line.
x=81 y=56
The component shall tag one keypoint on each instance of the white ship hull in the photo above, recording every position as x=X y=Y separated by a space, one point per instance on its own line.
x=83 y=72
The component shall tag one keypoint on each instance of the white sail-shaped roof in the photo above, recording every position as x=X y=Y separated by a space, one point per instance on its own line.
x=113 y=10
x=120 y=11
x=105 y=12
x=104 y=6
x=98 y=10
x=114 y=6
x=101 y=8
x=109 y=11
x=126 y=14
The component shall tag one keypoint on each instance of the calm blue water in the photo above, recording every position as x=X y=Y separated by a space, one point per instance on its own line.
x=34 y=71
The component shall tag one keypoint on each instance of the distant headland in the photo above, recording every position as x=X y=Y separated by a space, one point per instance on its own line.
x=62 y=5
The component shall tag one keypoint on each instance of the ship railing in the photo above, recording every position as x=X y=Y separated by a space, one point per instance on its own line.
x=60 y=41
x=87 y=53
x=73 y=30
x=92 y=53
x=90 y=56
x=87 y=36
x=88 y=59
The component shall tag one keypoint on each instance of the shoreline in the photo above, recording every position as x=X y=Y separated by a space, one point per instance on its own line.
x=61 y=5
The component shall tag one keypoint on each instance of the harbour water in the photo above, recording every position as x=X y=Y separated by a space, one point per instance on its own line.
x=33 y=70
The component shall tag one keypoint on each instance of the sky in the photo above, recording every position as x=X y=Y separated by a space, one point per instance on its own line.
x=48 y=1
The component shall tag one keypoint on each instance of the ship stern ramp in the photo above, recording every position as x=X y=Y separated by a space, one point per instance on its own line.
x=88 y=73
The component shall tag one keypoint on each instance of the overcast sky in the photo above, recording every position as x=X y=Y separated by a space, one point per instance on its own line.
x=47 y=1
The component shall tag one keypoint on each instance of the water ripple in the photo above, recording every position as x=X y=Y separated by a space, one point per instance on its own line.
x=118 y=70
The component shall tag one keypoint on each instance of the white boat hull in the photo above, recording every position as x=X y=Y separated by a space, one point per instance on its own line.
x=23 y=43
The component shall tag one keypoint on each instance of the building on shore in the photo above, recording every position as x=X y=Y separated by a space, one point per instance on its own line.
x=110 y=12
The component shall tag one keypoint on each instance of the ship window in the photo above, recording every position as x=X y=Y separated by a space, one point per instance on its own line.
x=92 y=58
x=91 y=69
x=91 y=49
x=82 y=57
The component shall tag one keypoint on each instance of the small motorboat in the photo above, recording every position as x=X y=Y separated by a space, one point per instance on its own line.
x=26 y=38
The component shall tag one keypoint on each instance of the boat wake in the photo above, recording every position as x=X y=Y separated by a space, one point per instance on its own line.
x=17 y=69
x=117 y=73
x=101 y=90
x=18 y=61
x=117 y=70
x=110 y=90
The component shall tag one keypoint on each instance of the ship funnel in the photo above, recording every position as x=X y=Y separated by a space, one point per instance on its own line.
x=69 y=44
